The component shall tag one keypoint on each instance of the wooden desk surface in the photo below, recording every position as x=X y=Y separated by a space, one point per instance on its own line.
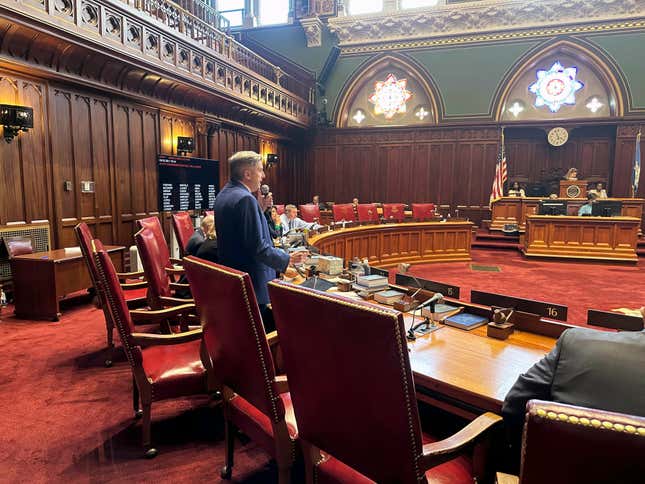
x=59 y=255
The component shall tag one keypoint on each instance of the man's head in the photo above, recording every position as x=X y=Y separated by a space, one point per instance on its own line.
x=355 y=201
x=291 y=211
x=316 y=200
x=246 y=167
x=599 y=186
x=591 y=197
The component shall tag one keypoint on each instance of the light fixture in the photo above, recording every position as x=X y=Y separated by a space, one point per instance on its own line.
x=359 y=117
x=14 y=119
x=421 y=113
x=594 y=105
x=185 y=144
x=516 y=108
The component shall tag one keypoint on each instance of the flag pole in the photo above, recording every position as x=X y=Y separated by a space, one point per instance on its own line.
x=638 y=140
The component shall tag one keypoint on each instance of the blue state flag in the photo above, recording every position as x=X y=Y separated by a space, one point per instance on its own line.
x=636 y=171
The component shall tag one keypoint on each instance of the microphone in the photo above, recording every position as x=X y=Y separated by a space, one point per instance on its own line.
x=432 y=301
x=265 y=190
x=403 y=268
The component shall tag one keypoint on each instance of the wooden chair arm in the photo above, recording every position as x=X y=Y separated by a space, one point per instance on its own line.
x=179 y=285
x=502 y=478
x=175 y=301
x=174 y=271
x=437 y=452
x=150 y=339
x=179 y=262
x=130 y=275
x=281 y=384
x=128 y=286
x=151 y=316
x=272 y=339
x=137 y=303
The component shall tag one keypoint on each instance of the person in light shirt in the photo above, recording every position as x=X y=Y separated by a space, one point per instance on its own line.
x=291 y=221
x=599 y=191
x=586 y=209
x=516 y=190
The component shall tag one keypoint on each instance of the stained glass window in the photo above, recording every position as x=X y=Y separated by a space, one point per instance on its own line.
x=556 y=87
x=390 y=96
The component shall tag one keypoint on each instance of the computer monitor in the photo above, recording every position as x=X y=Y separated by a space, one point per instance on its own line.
x=607 y=208
x=552 y=207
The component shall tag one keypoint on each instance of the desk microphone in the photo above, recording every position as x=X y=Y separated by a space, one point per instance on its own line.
x=430 y=302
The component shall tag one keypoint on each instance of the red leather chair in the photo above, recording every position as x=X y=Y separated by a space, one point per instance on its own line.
x=393 y=212
x=154 y=224
x=367 y=212
x=84 y=237
x=255 y=399
x=423 y=211
x=279 y=209
x=183 y=227
x=566 y=444
x=354 y=397
x=158 y=269
x=343 y=211
x=309 y=213
x=163 y=365
x=18 y=246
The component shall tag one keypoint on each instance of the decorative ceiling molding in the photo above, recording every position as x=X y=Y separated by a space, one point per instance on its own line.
x=495 y=18
x=313 y=27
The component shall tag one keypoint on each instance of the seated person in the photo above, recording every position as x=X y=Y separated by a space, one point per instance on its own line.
x=316 y=201
x=291 y=221
x=274 y=222
x=196 y=240
x=516 y=190
x=208 y=249
x=586 y=208
x=590 y=368
x=599 y=191
x=355 y=203
x=572 y=174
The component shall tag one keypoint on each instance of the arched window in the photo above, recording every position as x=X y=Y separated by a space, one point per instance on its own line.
x=390 y=92
x=563 y=82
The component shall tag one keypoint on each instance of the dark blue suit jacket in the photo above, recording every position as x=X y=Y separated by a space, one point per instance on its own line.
x=243 y=239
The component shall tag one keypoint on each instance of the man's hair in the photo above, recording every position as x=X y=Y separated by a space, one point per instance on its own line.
x=290 y=207
x=591 y=196
x=241 y=161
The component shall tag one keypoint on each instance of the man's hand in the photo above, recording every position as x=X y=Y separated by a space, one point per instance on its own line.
x=298 y=257
x=265 y=202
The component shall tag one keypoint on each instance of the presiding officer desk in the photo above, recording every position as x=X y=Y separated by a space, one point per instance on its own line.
x=392 y=243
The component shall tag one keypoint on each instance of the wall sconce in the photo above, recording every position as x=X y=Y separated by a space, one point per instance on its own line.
x=15 y=119
x=272 y=159
x=185 y=144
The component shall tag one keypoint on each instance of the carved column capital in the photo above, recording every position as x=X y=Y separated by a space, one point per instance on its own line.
x=313 y=27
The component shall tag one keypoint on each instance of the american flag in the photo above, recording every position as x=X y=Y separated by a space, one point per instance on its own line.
x=501 y=174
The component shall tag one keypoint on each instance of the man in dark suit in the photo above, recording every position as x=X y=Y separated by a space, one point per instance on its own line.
x=589 y=368
x=243 y=238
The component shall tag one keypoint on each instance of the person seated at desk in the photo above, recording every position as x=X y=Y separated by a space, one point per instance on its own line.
x=291 y=221
x=516 y=190
x=589 y=368
x=316 y=201
x=586 y=209
x=572 y=174
x=274 y=222
x=208 y=249
x=599 y=191
x=198 y=237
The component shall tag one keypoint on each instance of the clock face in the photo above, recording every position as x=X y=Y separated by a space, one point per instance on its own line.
x=558 y=136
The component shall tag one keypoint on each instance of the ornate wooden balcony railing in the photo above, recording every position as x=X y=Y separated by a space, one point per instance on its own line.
x=167 y=36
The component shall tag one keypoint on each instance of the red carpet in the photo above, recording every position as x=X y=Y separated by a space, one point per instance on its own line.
x=578 y=285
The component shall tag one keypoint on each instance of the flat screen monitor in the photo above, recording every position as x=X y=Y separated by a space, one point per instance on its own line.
x=552 y=207
x=187 y=183
x=607 y=208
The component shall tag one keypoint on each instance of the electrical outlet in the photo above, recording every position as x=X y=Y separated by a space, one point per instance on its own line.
x=87 y=186
x=67 y=185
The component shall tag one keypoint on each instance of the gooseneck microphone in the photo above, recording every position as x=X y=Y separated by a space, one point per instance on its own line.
x=430 y=302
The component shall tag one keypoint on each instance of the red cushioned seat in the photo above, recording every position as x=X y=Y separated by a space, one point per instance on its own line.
x=183 y=227
x=343 y=212
x=423 y=211
x=393 y=212
x=310 y=213
x=367 y=212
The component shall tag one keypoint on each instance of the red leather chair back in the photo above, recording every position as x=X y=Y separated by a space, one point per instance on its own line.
x=423 y=211
x=394 y=212
x=154 y=261
x=154 y=224
x=234 y=334
x=183 y=227
x=350 y=380
x=343 y=211
x=84 y=237
x=116 y=302
x=209 y=212
x=279 y=209
x=309 y=213
x=18 y=246
x=367 y=212
x=560 y=446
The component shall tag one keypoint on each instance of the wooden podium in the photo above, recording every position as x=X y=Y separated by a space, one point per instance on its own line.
x=573 y=189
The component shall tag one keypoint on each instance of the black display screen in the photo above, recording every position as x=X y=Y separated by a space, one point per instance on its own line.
x=187 y=183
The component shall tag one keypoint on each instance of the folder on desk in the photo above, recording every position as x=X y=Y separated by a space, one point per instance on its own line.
x=465 y=321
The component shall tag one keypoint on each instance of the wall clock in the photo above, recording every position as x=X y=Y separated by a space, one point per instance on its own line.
x=557 y=136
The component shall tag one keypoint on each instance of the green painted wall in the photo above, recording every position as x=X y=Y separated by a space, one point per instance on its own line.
x=628 y=51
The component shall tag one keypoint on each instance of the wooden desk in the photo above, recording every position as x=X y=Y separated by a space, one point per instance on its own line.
x=42 y=279
x=514 y=210
x=389 y=244
x=467 y=373
x=601 y=238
